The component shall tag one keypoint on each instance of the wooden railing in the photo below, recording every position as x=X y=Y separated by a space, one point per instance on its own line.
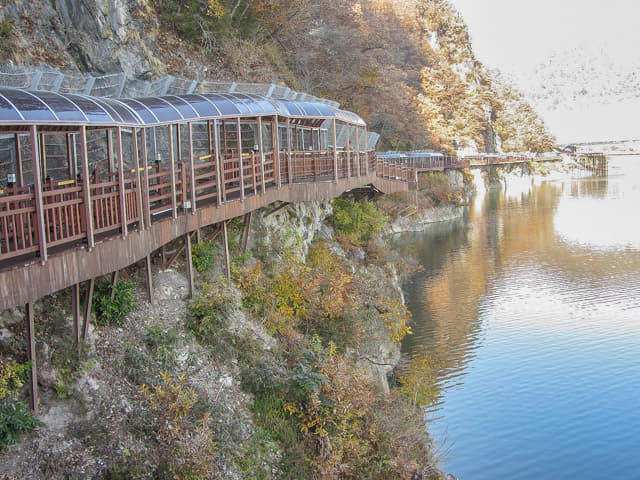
x=150 y=194
x=65 y=214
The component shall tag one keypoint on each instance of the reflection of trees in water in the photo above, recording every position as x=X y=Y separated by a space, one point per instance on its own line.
x=461 y=262
x=464 y=260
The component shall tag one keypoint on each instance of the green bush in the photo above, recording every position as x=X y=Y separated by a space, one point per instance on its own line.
x=209 y=312
x=113 y=310
x=359 y=221
x=203 y=255
x=14 y=421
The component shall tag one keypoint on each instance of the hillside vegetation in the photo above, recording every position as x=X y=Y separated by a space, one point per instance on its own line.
x=407 y=67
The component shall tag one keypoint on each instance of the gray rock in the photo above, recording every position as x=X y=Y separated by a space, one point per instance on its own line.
x=48 y=375
x=10 y=317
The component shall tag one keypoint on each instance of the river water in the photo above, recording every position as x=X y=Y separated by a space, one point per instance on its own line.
x=532 y=304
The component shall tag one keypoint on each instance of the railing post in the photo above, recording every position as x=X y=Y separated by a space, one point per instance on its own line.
x=289 y=163
x=86 y=187
x=172 y=161
x=219 y=166
x=366 y=151
x=239 y=141
x=335 y=150
x=37 y=187
x=261 y=147
x=275 y=132
x=357 y=155
x=19 y=161
x=192 y=164
x=348 y=149
x=145 y=178
x=136 y=160
x=123 y=207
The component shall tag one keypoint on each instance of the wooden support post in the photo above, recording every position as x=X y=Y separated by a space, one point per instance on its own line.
x=192 y=165
x=69 y=148
x=43 y=156
x=149 y=279
x=198 y=235
x=19 y=161
x=86 y=188
x=187 y=240
x=121 y=190
x=32 y=356
x=366 y=151
x=275 y=133
x=348 y=149
x=87 y=309
x=245 y=231
x=219 y=165
x=145 y=179
x=225 y=241
x=37 y=187
x=254 y=176
x=357 y=153
x=109 y=152
x=289 y=162
x=75 y=308
x=239 y=138
x=172 y=160
x=114 y=279
x=335 y=149
x=261 y=147
x=139 y=187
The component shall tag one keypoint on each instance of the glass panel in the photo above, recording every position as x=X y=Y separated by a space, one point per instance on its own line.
x=142 y=111
x=204 y=108
x=223 y=104
x=31 y=107
x=93 y=111
x=7 y=112
x=161 y=109
x=64 y=109
x=185 y=109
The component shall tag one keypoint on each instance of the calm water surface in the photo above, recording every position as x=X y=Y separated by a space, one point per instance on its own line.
x=532 y=303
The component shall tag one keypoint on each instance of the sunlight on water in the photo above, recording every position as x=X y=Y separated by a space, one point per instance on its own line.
x=533 y=305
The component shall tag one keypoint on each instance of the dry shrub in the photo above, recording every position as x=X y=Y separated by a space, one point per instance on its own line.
x=186 y=446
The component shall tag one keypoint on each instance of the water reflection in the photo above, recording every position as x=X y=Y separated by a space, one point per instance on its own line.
x=532 y=302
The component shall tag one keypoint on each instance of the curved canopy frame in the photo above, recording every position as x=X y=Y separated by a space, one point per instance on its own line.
x=24 y=107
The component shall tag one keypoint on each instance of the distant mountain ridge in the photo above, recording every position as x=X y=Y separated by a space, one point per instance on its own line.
x=585 y=93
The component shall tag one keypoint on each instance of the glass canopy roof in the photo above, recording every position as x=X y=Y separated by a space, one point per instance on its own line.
x=49 y=108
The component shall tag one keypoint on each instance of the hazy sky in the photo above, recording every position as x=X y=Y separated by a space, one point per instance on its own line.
x=515 y=35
